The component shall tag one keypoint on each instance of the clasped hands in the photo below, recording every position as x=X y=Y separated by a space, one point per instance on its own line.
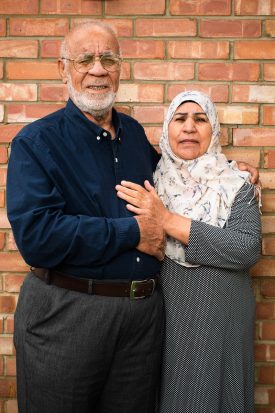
x=150 y=214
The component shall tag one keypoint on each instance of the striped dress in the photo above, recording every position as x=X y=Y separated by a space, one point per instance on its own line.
x=208 y=348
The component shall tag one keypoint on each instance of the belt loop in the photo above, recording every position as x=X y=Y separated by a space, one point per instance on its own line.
x=90 y=286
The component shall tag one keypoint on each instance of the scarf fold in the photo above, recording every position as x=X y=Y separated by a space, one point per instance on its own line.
x=202 y=189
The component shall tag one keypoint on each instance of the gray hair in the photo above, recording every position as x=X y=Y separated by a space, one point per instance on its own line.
x=88 y=24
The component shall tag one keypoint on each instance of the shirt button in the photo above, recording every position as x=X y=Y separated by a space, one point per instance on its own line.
x=138 y=259
x=98 y=138
x=105 y=134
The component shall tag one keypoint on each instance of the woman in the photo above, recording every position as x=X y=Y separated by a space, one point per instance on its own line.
x=211 y=218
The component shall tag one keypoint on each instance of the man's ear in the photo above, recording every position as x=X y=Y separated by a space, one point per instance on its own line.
x=62 y=71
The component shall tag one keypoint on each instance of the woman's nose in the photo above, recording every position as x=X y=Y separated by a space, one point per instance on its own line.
x=189 y=125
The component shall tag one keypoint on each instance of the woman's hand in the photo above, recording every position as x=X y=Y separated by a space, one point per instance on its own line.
x=243 y=166
x=142 y=201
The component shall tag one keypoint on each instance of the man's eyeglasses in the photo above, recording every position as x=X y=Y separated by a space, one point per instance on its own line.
x=84 y=63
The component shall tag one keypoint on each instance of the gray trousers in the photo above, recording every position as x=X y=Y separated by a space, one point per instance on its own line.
x=78 y=353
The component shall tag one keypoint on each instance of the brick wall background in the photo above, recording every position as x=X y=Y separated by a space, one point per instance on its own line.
x=224 y=47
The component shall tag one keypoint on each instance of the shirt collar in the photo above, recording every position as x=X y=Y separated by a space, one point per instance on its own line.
x=75 y=114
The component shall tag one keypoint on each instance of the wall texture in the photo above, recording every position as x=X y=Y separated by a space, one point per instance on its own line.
x=225 y=48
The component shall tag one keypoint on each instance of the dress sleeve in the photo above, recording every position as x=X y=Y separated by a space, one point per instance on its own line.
x=237 y=245
x=44 y=234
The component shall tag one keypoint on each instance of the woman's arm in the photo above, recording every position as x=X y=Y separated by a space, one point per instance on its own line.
x=235 y=246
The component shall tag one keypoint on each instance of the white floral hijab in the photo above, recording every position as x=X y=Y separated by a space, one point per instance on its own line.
x=202 y=189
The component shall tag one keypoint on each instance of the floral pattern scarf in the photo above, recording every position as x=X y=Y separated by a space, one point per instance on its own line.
x=202 y=189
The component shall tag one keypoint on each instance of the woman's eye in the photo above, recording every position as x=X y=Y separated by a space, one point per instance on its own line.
x=201 y=120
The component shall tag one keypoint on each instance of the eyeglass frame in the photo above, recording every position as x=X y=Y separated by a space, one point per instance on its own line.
x=118 y=57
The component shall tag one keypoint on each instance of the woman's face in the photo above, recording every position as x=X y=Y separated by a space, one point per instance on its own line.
x=189 y=131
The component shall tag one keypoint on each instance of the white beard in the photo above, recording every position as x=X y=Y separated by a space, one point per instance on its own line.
x=96 y=105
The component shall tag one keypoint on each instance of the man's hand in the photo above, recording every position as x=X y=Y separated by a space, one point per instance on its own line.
x=150 y=214
x=152 y=237
x=243 y=166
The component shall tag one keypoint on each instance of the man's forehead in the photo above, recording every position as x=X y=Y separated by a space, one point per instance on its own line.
x=94 y=40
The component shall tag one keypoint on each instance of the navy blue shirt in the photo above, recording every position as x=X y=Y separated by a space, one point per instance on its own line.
x=61 y=197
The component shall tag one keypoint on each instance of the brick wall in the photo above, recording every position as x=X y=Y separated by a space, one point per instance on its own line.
x=225 y=48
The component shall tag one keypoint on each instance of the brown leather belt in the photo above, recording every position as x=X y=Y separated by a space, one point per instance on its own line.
x=131 y=289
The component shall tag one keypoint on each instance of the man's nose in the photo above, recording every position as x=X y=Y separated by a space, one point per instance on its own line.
x=97 y=69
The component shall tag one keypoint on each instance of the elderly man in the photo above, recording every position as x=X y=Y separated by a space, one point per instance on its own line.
x=89 y=319
x=88 y=324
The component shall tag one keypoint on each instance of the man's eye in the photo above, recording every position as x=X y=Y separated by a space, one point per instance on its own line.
x=84 y=61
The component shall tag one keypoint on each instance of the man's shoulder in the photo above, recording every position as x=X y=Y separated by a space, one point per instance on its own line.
x=127 y=119
x=41 y=126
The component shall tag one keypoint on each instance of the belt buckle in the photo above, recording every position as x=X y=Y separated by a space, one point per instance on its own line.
x=134 y=287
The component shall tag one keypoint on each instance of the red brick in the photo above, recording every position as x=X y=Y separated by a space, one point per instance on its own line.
x=153 y=133
x=8 y=132
x=229 y=71
x=122 y=27
x=1 y=70
x=268 y=288
x=254 y=7
x=268 y=246
x=1 y=113
x=11 y=244
x=9 y=324
x=140 y=93
x=253 y=93
x=149 y=114
x=207 y=7
x=253 y=137
x=268 y=224
x=124 y=109
x=268 y=201
x=142 y=49
x=261 y=351
x=269 y=71
x=187 y=49
x=265 y=311
x=7 y=303
x=269 y=115
x=2 y=27
x=264 y=268
x=38 y=27
x=230 y=28
x=270 y=27
x=166 y=27
x=3 y=154
x=71 y=7
x=164 y=70
x=11 y=406
x=268 y=179
x=252 y=156
x=2 y=204
x=124 y=7
x=29 y=113
x=8 y=387
x=18 y=48
x=19 y=7
x=3 y=176
x=267 y=330
x=269 y=158
x=50 y=48
x=1 y=370
x=54 y=93
x=266 y=374
x=2 y=238
x=257 y=49
x=12 y=282
x=16 y=91
x=10 y=366
x=1 y=325
x=218 y=93
x=238 y=114
x=12 y=262
x=32 y=70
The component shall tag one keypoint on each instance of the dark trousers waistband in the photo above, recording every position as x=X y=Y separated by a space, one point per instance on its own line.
x=131 y=289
